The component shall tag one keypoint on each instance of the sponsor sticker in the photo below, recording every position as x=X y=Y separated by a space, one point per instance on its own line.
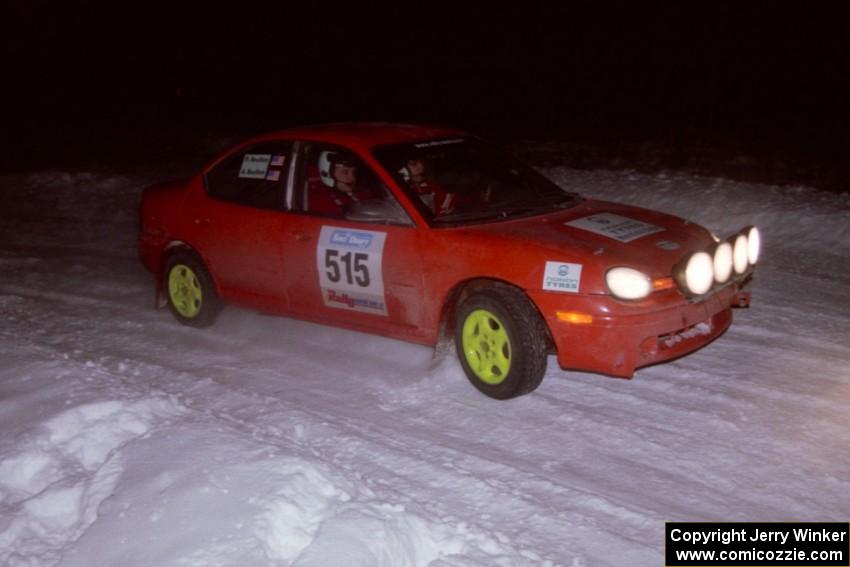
x=350 y=269
x=614 y=226
x=359 y=239
x=278 y=160
x=273 y=175
x=562 y=276
x=255 y=166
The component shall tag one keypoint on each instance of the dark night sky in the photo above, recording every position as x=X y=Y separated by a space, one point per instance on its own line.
x=766 y=75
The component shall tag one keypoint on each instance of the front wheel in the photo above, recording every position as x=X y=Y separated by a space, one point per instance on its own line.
x=501 y=342
x=191 y=292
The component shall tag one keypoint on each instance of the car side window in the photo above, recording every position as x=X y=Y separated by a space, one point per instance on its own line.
x=254 y=176
x=336 y=183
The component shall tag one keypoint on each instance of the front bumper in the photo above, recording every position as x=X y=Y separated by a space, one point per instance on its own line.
x=624 y=337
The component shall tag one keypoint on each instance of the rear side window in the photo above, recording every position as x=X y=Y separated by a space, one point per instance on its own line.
x=254 y=176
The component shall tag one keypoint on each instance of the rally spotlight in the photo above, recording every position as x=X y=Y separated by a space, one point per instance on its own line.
x=753 y=244
x=695 y=273
x=740 y=254
x=722 y=262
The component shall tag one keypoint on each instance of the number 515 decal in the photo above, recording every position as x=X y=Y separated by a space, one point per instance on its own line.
x=333 y=259
x=349 y=263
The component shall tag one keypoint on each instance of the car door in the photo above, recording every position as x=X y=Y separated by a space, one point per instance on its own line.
x=353 y=271
x=241 y=223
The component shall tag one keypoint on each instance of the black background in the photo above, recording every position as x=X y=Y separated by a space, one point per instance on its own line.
x=757 y=90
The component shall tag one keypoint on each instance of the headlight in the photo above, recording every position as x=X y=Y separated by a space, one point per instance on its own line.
x=722 y=262
x=740 y=255
x=699 y=273
x=753 y=245
x=628 y=283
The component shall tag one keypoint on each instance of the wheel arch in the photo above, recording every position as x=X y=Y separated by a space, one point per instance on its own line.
x=464 y=289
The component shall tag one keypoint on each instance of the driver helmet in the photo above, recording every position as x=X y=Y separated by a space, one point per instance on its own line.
x=404 y=170
x=328 y=159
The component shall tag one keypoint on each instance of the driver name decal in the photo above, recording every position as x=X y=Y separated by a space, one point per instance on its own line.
x=614 y=226
x=255 y=166
x=350 y=269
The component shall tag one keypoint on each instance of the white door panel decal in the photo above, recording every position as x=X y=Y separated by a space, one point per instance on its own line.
x=350 y=269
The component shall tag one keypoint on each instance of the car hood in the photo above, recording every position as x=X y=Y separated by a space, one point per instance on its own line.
x=600 y=235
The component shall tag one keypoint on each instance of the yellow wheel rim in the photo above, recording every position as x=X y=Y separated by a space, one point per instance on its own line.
x=184 y=290
x=486 y=346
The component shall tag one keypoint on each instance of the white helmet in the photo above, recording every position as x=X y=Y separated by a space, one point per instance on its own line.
x=327 y=160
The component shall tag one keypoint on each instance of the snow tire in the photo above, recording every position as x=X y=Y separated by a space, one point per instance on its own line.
x=526 y=338
x=199 y=283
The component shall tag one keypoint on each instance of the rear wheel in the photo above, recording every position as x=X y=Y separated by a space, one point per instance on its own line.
x=191 y=292
x=501 y=342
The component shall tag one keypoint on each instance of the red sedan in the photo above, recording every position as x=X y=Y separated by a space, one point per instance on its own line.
x=423 y=233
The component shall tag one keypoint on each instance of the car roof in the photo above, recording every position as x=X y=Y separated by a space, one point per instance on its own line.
x=365 y=134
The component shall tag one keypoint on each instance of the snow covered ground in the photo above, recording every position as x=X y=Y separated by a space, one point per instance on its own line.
x=130 y=440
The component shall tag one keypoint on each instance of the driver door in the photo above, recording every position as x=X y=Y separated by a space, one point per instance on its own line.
x=363 y=274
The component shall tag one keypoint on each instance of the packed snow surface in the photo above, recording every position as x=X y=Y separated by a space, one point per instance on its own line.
x=131 y=440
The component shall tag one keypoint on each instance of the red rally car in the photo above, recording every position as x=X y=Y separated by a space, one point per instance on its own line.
x=422 y=233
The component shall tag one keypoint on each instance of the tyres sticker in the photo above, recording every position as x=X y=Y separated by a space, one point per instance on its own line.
x=614 y=226
x=350 y=269
x=254 y=166
x=562 y=276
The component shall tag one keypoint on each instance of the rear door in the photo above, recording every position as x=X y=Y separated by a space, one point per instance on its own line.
x=241 y=222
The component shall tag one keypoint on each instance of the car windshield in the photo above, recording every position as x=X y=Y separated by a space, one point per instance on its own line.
x=465 y=180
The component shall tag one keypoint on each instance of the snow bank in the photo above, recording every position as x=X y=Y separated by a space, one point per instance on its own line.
x=54 y=479
x=147 y=480
x=202 y=494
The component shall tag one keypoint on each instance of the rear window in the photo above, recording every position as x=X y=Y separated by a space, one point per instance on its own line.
x=254 y=176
